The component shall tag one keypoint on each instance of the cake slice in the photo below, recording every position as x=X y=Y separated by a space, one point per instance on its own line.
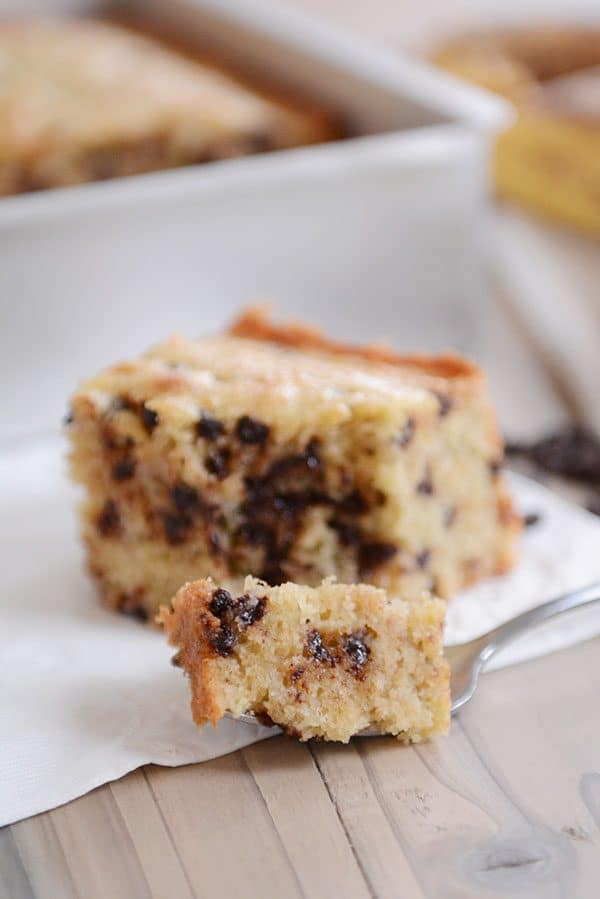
x=326 y=661
x=83 y=101
x=274 y=452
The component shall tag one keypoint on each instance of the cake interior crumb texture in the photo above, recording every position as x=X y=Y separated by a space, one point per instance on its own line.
x=324 y=662
x=273 y=452
x=84 y=100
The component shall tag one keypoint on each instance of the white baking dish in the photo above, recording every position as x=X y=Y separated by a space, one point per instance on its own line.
x=377 y=236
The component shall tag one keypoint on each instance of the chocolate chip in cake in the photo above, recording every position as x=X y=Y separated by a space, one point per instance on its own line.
x=449 y=516
x=176 y=660
x=317 y=649
x=531 y=519
x=422 y=558
x=357 y=651
x=137 y=612
x=123 y=469
x=185 y=497
x=251 y=431
x=217 y=463
x=296 y=673
x=120 y=404
x=407 y=432
x=425 y=485
x=223 y=640
x=109 y=521
x=445 y=402
x=149 y=418
x=221 y=603
x=209 y=427
x=495 y=467
x=176 y=527
x=353 y=504
x=373 y=554
x=593 y=505
x=348 y=534
x=273 y=574
x=249 y=609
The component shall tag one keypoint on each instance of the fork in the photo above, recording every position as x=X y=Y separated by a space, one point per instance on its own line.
x=468 y=660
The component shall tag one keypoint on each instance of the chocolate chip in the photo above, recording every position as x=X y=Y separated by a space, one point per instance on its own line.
x=317 y=649
x=217 y=463
x=109 y=521
x=249 y=609
x=123 y=469
x=185 y=498
x=69 y=418
x=357 y=651
x=273 y=574
x=450 y=516
x=573 y=452
x=208 y=427
x=149 y=418
x=223 y=640
x=297 y=673
x=531 y=519
x=593 y=505
x=407 y=432
x=353 y=504
x=373 y=554
x=422 y=558
x=445 y=402
x=176 y=660
x=137 y=612
x=121 y=404
x=348 y=534
x=221 y=602
x=425 y=486
x=251 y=431
x=495 y=467
x=176 y=527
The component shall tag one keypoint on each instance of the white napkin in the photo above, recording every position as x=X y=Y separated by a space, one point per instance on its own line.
x=87 y=695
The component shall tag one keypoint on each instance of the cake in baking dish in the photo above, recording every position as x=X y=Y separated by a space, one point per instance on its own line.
x=84 y=100
x=325 y=662
x=275 y=452
x=550 y=159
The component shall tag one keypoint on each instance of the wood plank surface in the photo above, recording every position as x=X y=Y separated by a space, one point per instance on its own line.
x=508 y=805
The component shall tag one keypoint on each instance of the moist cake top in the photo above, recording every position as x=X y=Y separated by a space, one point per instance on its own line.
x=283 y=373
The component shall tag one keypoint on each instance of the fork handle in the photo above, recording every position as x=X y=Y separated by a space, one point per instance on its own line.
x=512 y=629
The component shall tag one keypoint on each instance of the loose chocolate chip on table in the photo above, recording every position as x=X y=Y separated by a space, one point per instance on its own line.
x=109 y=521
x=593 y=505
x=149 y=418
x=357 y=650
x=317 y=649
x=573 y=452
x=250 y=430
x=209 y=427
x=123 y=469
x=223 y=640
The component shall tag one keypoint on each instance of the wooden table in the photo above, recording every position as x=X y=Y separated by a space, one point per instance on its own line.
x=509 y=804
